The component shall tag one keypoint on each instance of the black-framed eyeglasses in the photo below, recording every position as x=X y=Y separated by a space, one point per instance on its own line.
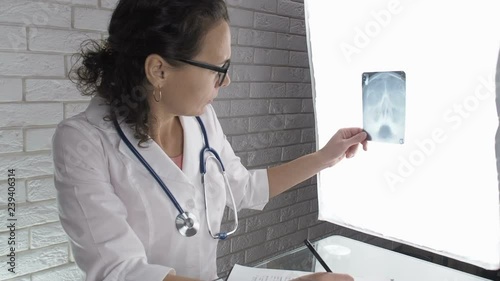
x=222 y=71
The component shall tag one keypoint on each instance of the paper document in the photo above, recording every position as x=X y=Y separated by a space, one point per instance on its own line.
x=245 y=273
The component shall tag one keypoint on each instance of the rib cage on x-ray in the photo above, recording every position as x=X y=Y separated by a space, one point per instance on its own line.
x=384 y=101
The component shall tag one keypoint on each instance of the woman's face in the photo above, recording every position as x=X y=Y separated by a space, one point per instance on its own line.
x=188 y=89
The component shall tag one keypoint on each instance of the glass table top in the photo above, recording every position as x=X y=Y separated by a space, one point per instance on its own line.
x=359 y=259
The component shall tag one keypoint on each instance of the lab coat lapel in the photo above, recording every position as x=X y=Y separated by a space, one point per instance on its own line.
x=193 y=144
x=154 y=155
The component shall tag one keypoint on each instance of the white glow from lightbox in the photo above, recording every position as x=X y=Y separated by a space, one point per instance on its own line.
x=439 y=190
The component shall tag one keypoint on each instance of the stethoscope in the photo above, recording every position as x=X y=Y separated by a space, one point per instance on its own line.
x=186 y=223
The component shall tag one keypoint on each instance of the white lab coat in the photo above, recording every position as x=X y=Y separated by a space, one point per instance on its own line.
x=120 y=222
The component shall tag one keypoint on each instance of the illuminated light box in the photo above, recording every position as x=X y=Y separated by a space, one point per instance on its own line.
x=437 y=189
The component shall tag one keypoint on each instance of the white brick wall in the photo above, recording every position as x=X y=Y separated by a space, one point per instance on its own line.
x=11 y=141
x=35 y=95
x=31 y=13
x=99 y=19
x=16 y=64
x=54 y=40
x=266 y=114
x=108 y=4
x=11 y=39
x=39 y=139
x=11 y=89
x=40 y=189
x=36 y=260
x=52 y=90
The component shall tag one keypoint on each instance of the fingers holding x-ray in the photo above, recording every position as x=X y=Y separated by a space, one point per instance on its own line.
x=384 y=106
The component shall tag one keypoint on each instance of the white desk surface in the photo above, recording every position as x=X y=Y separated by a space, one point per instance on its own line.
x=342 y=254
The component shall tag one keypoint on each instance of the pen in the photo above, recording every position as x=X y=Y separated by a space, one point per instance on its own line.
x=318 y=257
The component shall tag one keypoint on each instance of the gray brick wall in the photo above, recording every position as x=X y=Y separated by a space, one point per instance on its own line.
x=36 y=43
x=270 y=121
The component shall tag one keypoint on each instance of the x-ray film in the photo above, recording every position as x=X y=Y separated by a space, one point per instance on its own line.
x=384 y=106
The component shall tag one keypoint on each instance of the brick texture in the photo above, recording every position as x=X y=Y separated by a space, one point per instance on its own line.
x=266 y=114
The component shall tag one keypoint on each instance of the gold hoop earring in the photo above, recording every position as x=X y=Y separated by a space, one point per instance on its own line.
x=154 y=95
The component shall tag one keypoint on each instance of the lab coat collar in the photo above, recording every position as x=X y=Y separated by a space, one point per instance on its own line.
x=151 y=151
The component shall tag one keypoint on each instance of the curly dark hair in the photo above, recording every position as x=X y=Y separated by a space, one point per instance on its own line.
x=114 y=68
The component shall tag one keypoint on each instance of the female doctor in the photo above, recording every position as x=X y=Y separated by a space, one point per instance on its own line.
x=144 y=173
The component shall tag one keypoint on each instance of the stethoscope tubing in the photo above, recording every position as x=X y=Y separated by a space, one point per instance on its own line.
x=184 y=218
x=206 y=148
x=149 y=168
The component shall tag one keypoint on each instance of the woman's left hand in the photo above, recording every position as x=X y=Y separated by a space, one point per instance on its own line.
x=343 y=144
x=325 y=276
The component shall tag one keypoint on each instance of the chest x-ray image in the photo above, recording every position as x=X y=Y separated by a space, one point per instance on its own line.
x=384 y=106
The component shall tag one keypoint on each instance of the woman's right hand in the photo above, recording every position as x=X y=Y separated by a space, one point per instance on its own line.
x=325 y=276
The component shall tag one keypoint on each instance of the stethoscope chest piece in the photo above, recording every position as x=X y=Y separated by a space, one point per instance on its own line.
x=187 y=224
